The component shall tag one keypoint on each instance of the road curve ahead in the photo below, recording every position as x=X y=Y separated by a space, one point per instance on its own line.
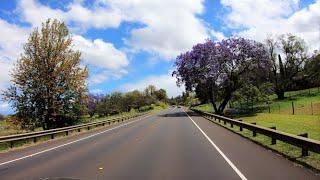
x=168 y=145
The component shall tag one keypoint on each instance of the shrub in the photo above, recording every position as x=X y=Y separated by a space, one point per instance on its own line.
x=145 y=108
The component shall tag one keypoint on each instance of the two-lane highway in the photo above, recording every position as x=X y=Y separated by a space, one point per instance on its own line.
x=168 y=145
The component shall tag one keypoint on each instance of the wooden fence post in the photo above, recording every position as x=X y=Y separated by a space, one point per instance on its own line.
x=273 y=140
x=240 y=125
x=254 y=133
x=304 y=152
x=292 y=107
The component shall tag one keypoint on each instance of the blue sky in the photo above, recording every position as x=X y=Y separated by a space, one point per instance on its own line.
x=128 y=44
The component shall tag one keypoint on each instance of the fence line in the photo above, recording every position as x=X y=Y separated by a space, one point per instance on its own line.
x=301 y=140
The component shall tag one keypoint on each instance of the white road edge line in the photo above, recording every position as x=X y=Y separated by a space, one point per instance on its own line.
x=218 y=149
x=62 y=145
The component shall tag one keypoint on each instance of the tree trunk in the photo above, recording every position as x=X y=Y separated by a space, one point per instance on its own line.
x=213 y=103
x=223 y=104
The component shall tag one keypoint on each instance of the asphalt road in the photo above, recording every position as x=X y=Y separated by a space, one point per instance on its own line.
x=168 y=145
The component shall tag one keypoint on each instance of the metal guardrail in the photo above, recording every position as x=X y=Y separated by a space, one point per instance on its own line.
x=52 y=132
x=300 y=141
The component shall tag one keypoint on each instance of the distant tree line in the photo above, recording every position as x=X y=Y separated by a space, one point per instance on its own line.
x=243 y=69
x=117 y=102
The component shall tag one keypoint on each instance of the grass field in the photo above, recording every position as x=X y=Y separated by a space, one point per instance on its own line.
x=292 y=152
x=305 y=102
x=293 y=124
x=301 y=122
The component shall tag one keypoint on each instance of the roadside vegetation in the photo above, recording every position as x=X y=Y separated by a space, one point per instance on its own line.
x=305 y=120
x=24 y=143
x=274 y=83
x=301 y=122
x=49 y=87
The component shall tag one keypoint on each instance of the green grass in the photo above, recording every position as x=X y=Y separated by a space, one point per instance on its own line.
x=306 y=102
x=303 y=105
x=305 y=120
x=7 y=130
x=293 y=152
x=302 y=122
x=293 y=124
x=204 y=107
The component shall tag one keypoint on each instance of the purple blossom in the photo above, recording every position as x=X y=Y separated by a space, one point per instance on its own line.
x=222 y=66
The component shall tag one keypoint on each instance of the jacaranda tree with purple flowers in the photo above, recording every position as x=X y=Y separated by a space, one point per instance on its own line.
x=91 y=103
x=221 y=68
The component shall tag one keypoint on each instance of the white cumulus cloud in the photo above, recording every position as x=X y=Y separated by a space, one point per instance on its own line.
x=168 y=27
x=258 y=19
x=12 y=38
x=100 y=53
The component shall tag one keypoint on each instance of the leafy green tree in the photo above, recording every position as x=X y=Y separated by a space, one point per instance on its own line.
x=133 y=99
x=116 y=103
x=312 y=70
x=48 y=83
x=150 y=90
x=161 y=95
x=221 y=68
x=286 y=67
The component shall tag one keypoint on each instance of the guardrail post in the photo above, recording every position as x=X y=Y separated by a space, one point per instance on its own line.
x=67 y=133
x=52 y=136
x=11 y=144
x=273 y=140
x=34 y=139
x=231 y=124
x=88 y=128
x=254 y=133
x=240 y=125
x=79 y=130
x=224 y=122
x=219 y=120
x=304 y=152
